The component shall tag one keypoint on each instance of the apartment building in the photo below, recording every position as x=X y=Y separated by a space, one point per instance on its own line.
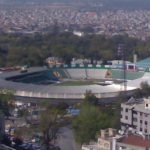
x=135 y=116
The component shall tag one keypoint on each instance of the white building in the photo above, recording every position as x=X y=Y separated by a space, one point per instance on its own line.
x=135 y=116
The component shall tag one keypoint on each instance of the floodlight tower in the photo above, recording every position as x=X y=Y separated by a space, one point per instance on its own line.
x=122 y=56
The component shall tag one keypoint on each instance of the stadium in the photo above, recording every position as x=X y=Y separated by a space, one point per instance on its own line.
x=69 y=83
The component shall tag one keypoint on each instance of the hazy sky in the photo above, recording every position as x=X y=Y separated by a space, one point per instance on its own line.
x=119 y=4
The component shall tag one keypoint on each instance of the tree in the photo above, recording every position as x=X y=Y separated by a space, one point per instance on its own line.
x=145 y=89
x=49 y=126
x=89 y=122
x=6 y=97
x=138 y=93
x=94 y=117
x=91 y=98
x=16 y=49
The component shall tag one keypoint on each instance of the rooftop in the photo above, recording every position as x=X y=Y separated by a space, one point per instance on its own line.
x=136 y=140
x=138 y=104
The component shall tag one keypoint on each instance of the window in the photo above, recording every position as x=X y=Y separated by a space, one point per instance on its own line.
x=146 y=105
x=141 y=114
x=145 y=130
x=126 y=109
x=145 y=122
x=146 y=115
x=126 y=117
x=106 y=145
x=140 y=129
x=141 y=121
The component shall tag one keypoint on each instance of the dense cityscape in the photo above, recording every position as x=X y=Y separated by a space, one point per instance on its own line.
x=74 y=75
x=30 y=19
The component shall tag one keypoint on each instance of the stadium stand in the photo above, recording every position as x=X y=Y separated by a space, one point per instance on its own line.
x=130 y=75
x=74 y=93
x=145 y=63
x=96 y=73
x=77 y=73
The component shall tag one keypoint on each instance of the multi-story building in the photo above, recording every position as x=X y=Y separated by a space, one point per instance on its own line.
x=106 y=141
x=135 y=122
x=135 y=116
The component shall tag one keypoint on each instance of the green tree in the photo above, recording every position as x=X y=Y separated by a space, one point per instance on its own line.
x=145 y=89
x=49 y=125
x=21 y=49
x=91 y=98
x=114 y=111
x=89 y=122
x=6 y=97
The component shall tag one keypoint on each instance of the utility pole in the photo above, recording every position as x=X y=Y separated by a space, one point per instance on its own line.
x=122 y=56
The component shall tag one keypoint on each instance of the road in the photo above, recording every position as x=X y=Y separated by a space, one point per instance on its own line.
x=66 y=140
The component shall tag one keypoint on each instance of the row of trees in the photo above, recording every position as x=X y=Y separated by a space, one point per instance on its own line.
x=17 y=49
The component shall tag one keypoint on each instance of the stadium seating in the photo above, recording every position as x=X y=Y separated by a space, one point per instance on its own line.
x=96 y=73
x=75 y=73
x=130 y=75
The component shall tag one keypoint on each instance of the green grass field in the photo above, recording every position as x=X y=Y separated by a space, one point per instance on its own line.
x=83 y=82
x=76 y=83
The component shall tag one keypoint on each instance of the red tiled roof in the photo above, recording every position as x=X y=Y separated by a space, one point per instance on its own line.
x=136 y=140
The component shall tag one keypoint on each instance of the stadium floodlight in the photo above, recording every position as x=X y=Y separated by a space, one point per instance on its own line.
x=122 y=56
x=120 y=51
